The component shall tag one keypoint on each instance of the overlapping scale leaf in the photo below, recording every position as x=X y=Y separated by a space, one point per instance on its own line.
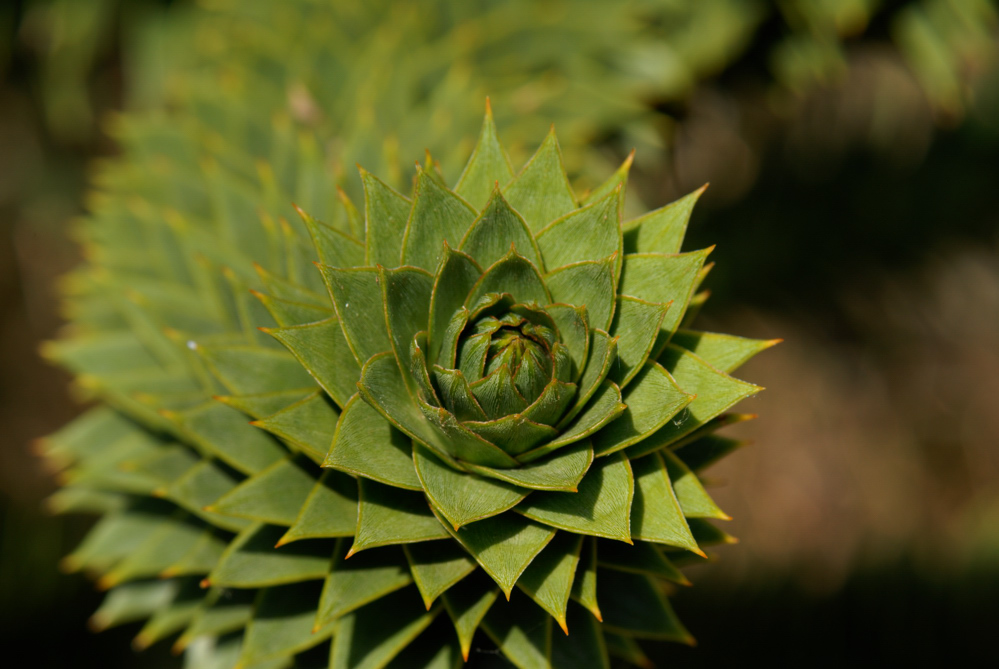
x=481 y=390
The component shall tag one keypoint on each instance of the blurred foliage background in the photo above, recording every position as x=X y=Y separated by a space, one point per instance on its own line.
x=853 y=152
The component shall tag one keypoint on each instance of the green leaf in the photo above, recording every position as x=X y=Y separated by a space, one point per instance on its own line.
x=662 y=230
x=655 y=513
x=385 y=215
x=463 y=443
x=619 y=178
x=456 y=275
x=653 y=398
x=382 y=387
x=436 y=567
x=365 y=578
x=133 y=601
x=172 y=618
x=288 y=313
x=574 y=333
x=201 y=558
x=264 y=404
x=455 y=393
x=223 y=611
x=433 y=649
x=406 y=295
x=561 y=470
x=723 y=352
x=515 y=275
x=601 y=508
x=467 y=605
x=282 y=623
x=307 y=425
x=636 y=325
x=551 y=403
x=273 y=495
x=515 y=434
x=693 y=498
x=709 y=534
x=705 y=451
x=632 y=605
x=329 y=511
x=438 y=216
x=522 y=630
x=388 y=515
x=605 y=406
x=334 y=247
x=602 y=354
x=357 y=297
x=590 y=233
x=548 y=580
x=627 y=649
x=584 y=648
x=170 y=541
x=252 y=561
x=488 y=166
x=498 y=229
x=227 y=434
x=462 y=498
x=541 y=192
x=498 y=395
x=584 y=586
x=504 y=545
x=249 y=370
x=322 y=349
x=371 y=636
x=365 y=444
x=204 y=483
x=715 y=392
x=663 y=278
x=589 y=284
x=640 y=558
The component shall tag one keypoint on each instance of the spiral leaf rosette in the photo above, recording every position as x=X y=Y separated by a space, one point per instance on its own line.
x=492 y=426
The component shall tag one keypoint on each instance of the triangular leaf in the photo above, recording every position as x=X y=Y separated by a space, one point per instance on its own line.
x=252 y=561
x=461 y=497
x=653 y=398
x=522 y=630
x=662 y=230
x=561 y=470
x=388 y=515
x=498 y=229
x=329 y=511
x=438 y=216
x=504 y=545
x=371 y=636
x=365 y=444
x=282 y=623
x=307 y=425
x=357 y=297
x=548 y=581
x=602 y=507
x=632 y=605
x=322 y=349
x=541 y=192
x=437 y=566
x=273 y=495
x=587 y=284
x=355 y=582
x=723 y=352
x=590 y=233
x=655 y=513
x=385 y=215
x=487 y=166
